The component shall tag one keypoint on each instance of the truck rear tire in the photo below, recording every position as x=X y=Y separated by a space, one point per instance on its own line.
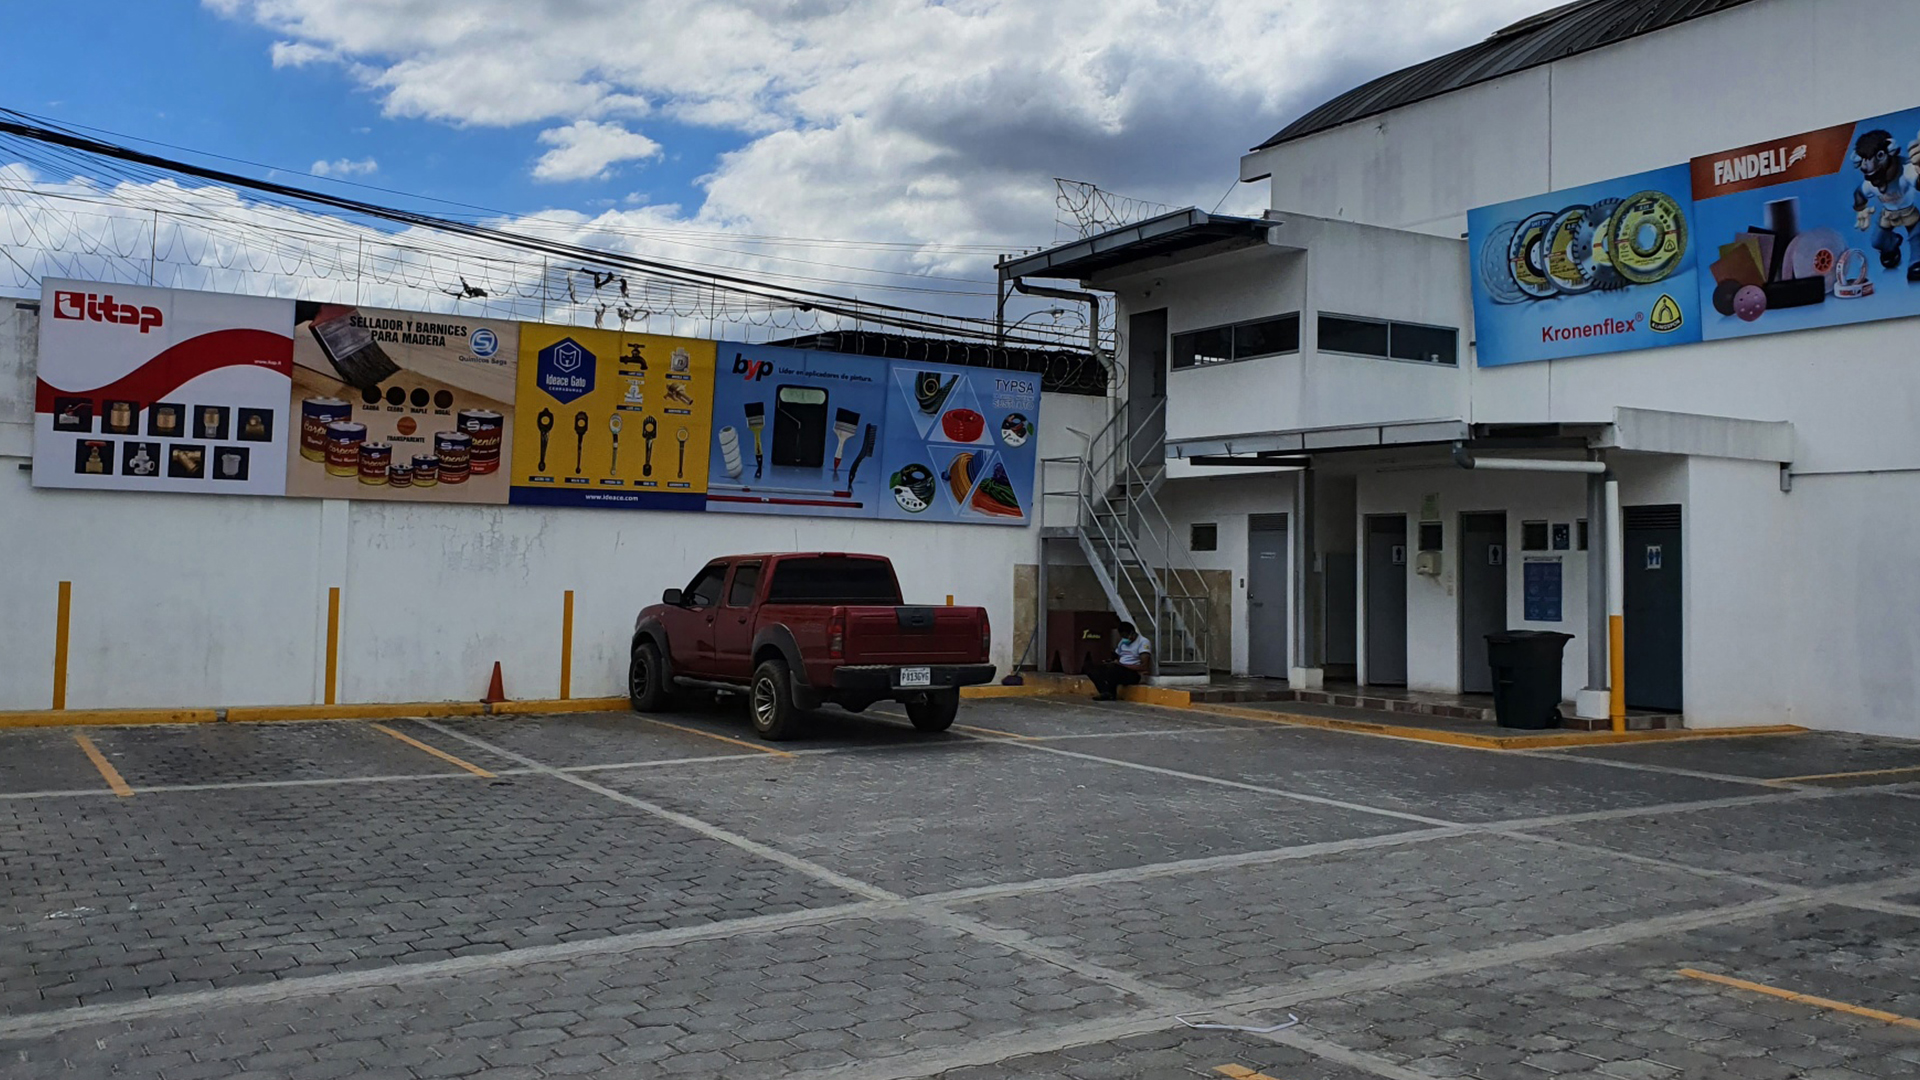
x=647 y=689
x=775 y=716
x=934 y=710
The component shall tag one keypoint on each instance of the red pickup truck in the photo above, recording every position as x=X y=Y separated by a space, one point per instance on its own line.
x=801 y=630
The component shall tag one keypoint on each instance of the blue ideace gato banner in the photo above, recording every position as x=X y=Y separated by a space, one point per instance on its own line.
x=1816 y=229
x=1602 y=268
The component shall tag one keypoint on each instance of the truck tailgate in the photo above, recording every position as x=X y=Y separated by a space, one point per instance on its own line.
x=915 y=635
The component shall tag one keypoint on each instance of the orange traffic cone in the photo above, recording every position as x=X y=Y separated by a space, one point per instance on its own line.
x=496 y=692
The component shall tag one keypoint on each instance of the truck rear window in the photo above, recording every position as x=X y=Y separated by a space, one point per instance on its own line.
x=833 y=581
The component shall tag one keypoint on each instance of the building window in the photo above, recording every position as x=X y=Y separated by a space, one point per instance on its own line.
x=1389 y=340
x=1582 y=530
x=1239 y=341
x=1203 y=537
x=1533 y=536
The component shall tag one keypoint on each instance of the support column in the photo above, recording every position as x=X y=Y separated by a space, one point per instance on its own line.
x=1306 y=673
x=1616 y=609
x=1593 y=702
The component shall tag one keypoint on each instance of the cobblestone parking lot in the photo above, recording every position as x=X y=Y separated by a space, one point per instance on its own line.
x=1053 y=888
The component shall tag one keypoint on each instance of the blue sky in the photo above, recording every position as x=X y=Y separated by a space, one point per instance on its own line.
x=179 y=73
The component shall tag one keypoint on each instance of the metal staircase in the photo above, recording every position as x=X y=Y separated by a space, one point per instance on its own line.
x=1105 y=501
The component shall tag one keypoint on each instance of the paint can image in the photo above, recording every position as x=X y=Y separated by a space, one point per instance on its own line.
x=343 y=447
x=455 y=451
x=399 y=475
x=426 y=470
x=374 y=459
x=485 y=427
x=315 y=414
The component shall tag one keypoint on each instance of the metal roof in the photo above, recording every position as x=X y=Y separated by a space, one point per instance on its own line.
x=1163 y=235
x=1552 y=35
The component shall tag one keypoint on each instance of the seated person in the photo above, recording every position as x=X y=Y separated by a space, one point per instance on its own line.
x=1131 y=656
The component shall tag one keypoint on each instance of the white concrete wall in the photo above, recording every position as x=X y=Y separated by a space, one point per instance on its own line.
x=182 y=600
x=1229 y=502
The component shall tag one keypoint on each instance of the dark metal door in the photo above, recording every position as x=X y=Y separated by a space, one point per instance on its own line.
x=1387 y=600
x=1147 y=385
x=1267 y=596
x=1653 y=607
x=1483 y=595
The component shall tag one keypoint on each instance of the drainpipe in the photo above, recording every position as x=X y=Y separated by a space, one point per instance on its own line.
x=1614 y=553
x=1093 y=350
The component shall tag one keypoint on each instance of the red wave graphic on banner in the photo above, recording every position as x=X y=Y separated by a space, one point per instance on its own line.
x=190 y=359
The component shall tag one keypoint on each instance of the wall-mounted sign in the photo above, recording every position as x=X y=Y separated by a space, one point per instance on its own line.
x=164 y=390
x=1541 y=580
x=1595 y=269
x=146 y=389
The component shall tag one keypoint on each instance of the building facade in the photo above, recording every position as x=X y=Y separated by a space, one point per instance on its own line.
x=1324 y=388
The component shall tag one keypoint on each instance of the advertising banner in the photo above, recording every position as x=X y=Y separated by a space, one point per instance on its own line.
x=797 y=433
x=1813 y=230
x=959 y=444
x=1596 y=269
x=611 y=419
x=401 y=405
x=146 y=389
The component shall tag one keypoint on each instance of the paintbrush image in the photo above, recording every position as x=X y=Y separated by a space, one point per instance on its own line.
x=866 y=451
x=846 y=423
x=359 y=359
x=756 y=421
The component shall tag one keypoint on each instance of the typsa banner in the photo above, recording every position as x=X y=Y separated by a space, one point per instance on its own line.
x=1602 y=268
x=145 y=389
x=1813 y=230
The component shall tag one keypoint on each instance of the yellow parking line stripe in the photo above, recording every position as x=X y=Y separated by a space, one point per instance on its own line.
x=434 y=750
x=1240 y=1072
x=722 y=738
x=1843 y=775
x=1804 y=999
x=107 y=771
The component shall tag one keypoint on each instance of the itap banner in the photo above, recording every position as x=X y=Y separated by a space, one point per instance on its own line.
x=1816 y=229
x=147 y=389
x=1603 y=268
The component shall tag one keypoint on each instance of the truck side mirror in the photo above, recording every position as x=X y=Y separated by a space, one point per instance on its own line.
x=671 y=597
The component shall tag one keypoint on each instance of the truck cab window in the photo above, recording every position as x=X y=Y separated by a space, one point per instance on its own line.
x=746 y=579
x=704 y=590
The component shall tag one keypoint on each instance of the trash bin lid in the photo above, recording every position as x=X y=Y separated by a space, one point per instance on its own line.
x=1509 y=637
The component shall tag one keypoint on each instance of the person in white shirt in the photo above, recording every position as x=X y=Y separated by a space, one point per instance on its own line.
x=1132 y=655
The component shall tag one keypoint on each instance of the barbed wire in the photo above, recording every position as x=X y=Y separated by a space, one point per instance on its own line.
x=68 y=210
x=1083 y=209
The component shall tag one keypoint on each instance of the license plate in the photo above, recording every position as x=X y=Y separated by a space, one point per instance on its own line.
x=916 y=676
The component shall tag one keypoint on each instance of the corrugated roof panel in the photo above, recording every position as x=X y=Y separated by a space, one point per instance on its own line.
x=1573 y=29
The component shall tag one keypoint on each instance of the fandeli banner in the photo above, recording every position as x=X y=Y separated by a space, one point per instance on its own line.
x=1816 y=229
x=401 y=405
x=147 y=389
x=1595 y=269
x=611 y=419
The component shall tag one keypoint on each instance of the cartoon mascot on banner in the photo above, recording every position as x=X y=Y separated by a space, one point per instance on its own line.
x=1890 y=185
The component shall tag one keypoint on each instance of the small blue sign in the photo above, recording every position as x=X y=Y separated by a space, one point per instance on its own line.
x=564 y=370
x=484 y=343
x=1542 y=582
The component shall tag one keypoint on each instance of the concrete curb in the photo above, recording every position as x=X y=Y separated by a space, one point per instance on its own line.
x=262 y=714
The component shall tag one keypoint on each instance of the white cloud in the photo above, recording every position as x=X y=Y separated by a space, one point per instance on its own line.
x=344 y=167
x=925 y=121
x=584 y=149
x=293 y=54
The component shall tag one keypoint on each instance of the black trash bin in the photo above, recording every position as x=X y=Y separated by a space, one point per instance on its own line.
x=1526 y=677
